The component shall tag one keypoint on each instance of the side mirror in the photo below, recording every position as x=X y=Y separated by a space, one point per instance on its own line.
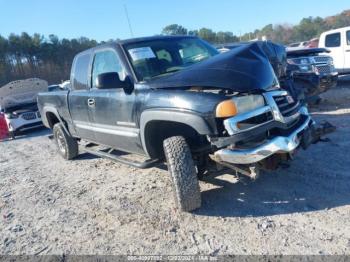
x=112 y=80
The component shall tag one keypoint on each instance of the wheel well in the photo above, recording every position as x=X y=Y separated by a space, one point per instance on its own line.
x=157 y=131
x=51 y=119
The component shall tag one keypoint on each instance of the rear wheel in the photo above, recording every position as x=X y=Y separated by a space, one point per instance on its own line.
x=183 y=173
x=67 y=145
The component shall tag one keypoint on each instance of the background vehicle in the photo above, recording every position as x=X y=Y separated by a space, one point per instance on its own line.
x=4 y=130
x=338 y=42
x=177 y=99
x=298 y=45
x=18 y=104
x=313 y=43
x=312 y=71
x=222 y=48
x=64 y=85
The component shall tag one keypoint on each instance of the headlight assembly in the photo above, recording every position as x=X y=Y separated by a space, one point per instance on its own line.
x=306 y=68
x=301 y=61
x=304 y=64
x=11 y=116
x=239 y=105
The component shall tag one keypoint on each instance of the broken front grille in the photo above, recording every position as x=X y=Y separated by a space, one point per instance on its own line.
x=287 y=105
x=28 y=116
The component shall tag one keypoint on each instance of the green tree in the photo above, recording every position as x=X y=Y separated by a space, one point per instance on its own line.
x=225 y=37
x=207 y=34
x=174 y=29
x=23 y=56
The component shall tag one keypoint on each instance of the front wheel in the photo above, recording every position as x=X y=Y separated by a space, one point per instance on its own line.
x=183 y=173
x=67 y=145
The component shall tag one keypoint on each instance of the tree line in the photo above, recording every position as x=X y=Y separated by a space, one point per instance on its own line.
x=308 y=28
x=23 y=56
x=205 y=33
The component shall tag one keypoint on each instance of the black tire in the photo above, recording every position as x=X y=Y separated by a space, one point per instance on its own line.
x=67 y=146
x=183 y=173
x=12 y=135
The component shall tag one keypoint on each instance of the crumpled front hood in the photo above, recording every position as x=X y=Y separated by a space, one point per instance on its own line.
x=243 y=69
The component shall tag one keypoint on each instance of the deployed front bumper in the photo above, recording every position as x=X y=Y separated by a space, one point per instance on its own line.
x=279 y=144
x=295 y=129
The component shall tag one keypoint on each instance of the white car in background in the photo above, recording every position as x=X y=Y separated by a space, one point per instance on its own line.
x=63 y=86
x=18 y=104
x=338 y=42
x=297 y=45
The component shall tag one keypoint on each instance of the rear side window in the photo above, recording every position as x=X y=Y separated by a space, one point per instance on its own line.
x=333 y=40
x=348 y=37
x=80 y=72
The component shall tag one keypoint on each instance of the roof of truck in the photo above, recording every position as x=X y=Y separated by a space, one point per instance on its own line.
x=136 y=40
x=150 y=38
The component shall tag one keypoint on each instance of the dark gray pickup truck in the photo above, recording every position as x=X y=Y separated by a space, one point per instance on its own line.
x=175 y=99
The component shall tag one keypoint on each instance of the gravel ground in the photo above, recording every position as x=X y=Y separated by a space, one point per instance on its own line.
x=94 y=206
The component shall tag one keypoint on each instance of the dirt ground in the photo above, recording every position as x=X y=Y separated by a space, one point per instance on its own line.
x=94 y=206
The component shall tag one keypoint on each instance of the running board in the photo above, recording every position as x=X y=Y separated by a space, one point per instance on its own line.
x=143 y=165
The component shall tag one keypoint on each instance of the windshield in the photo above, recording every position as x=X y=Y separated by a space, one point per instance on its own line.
x=156 y=58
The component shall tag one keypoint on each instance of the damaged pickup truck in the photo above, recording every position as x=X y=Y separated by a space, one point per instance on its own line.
x=175 y=98
x=313 y=72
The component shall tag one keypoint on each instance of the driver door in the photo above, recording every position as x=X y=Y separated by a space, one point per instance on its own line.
x=112 y=110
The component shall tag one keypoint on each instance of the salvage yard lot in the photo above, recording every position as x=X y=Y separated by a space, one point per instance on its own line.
x=94 y=206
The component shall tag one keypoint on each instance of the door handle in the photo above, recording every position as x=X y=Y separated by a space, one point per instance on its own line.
x=347 y=50
x=91 y=102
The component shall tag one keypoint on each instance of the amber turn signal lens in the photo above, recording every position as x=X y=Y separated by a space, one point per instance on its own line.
x=226 y=108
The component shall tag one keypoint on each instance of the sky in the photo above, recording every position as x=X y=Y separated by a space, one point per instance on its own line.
x=106 y=19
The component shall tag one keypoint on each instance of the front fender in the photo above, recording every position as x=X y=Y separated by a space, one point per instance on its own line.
x=198 y=122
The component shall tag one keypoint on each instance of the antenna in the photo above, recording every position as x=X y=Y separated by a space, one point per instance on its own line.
x=127 y=18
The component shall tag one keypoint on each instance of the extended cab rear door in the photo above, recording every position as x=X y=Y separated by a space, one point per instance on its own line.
x=78 y=98
x=113 y=111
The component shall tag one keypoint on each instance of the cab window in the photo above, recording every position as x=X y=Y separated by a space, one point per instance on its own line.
x=160 y=57
x=348 y=37
x=333 y=40
x=80 y=72
x=191 y=53
x=106 y=62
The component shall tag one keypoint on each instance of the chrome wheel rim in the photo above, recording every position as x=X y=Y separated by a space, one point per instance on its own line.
x=61 y=143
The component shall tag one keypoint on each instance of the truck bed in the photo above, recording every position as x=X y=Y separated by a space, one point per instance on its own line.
x=56 y=101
